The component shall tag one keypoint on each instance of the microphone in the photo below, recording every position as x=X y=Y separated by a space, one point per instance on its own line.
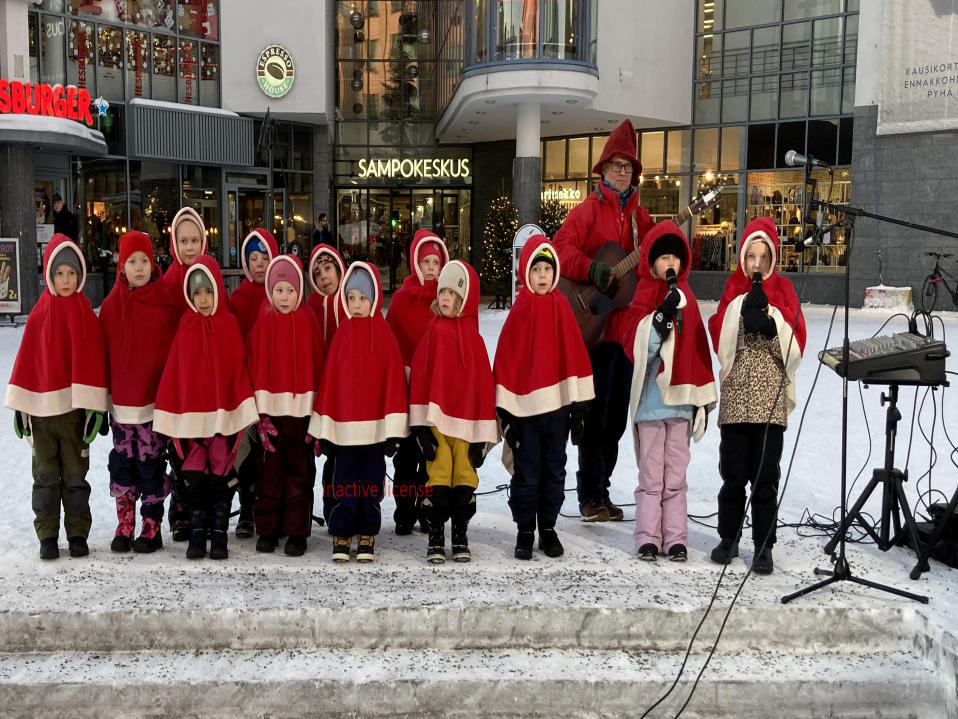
x=756 y=279
x=792 y=159
x=670 y=278
x=671 y=281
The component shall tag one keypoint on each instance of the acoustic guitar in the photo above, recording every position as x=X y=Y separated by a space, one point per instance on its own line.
x=592 y=307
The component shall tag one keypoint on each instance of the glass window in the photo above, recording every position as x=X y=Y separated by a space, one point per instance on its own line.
x=81 y=42
x=518 y=23
x=113 y=129
x=579 y=157
x=735 y=100
x=709 y=15
x=299 y=225
x=151 y=13
x=201 y=189
x=745 y=13
x=761 y=147
x=765 y=49
x=852 y=6
x=796 y=46
x=109 y=53
x=137 y=64
x=104 y=195
x=731 y=146
x=164 y=68
x=209 y=74
x=848 y=90
x=851 y=38
x=154 y=195
x=826 y=91
x=827 y=46
x=708 y=57
x=555 y=160
x=197 y=18
x=764 y=97
x=598 y=145
x=706 y=102
x=791 y=136
x=678 y=151
x=34 y=22
x=822 y=141
x=302 y=148
x=558 y=29
x=706 y=150
x=735 y=54
x=653 y=152
x=189 y=59
x=845 y=130
x=811 y=8
x=480 y=22
x=52 y=30
x=794 y=95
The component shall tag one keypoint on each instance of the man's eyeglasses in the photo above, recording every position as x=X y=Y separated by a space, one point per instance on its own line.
x=617 y=166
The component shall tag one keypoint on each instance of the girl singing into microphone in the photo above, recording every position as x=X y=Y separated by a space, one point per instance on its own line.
x=672 y=390
x=758 y=333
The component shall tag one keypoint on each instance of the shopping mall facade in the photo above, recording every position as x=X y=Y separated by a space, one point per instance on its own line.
x=391 y=115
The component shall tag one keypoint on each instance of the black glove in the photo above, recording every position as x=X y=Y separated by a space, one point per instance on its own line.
x=665 y=313
x=427 y=442
x=329 y=449
x=392 y=446
x=580 y=410
x=755 y=320
x=91 y=427
x=755 y=299
x=600 y=275
x=509 y=434
x=476 y=454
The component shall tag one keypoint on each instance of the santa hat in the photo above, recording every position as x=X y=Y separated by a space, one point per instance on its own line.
x=621 y=142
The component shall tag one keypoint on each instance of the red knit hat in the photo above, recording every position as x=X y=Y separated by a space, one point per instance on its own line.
x=285 y=268
x=135 y=241
x=431 y=247
x=621 y=142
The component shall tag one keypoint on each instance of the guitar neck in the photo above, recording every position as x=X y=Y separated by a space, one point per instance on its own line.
x=628 y=263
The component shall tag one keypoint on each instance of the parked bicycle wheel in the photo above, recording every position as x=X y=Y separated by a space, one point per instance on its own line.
x=928 y=297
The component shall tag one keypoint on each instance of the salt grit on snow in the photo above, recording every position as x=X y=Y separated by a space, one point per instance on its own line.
x=599 y=568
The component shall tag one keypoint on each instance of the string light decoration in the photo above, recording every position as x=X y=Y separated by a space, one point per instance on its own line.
x=552 y=214
x=502 y=223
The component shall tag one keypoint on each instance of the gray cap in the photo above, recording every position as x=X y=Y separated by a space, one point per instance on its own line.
x=360 y=279
x=198 y=279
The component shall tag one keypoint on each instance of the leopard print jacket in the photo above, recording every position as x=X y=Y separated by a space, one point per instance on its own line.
x=750 y=392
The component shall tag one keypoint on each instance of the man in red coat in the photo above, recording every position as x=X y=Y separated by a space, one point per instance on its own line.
x=610 y=214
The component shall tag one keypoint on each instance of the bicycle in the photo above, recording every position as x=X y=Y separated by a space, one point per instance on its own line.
x=928 y=299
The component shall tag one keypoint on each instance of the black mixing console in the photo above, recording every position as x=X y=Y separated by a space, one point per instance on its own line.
x=904 y=358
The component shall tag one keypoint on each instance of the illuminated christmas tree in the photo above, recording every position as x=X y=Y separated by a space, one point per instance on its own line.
x=552 y=214
x=497 y=236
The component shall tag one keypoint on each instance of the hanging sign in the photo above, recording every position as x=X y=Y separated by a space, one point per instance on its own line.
x=68 y=103
x=275 y=71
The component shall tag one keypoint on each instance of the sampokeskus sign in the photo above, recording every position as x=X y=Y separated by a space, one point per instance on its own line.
x=275 y=71
x=68 y=103
x=409 y=168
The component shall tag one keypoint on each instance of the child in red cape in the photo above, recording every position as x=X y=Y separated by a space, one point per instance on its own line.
x=361 y=412
x=204 y=402
x=58 y=392
x=139 y=320
x=187 y=243
x=246 y=302
x=673 y=389
x=452 y=405
x=409 y=314
x=543 y=387
x=758 y=333
x=285 y=359
x=326 y=270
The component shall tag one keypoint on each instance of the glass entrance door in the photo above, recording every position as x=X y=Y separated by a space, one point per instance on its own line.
x=247 y=210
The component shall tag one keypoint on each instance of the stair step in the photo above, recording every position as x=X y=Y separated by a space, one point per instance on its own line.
x=463 y=683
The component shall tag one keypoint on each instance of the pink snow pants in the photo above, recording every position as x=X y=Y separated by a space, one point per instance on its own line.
x=661 y=509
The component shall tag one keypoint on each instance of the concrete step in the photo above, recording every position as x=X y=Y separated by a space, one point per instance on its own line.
x=464 y=683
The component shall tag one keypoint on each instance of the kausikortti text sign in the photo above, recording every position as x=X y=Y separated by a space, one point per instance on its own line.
x=409 y=168
x=68 y=103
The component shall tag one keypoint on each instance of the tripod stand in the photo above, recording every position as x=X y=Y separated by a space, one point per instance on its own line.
x=841 y=570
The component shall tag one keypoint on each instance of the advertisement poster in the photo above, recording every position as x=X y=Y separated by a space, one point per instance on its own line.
x=9 y=276
x=919 y=80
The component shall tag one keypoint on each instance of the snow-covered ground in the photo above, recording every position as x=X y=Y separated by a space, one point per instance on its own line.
x=599 y=568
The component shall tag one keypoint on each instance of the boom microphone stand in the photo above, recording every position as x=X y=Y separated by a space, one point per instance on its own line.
x=841 y=570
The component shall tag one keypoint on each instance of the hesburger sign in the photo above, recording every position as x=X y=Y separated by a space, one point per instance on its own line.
x=68 y=103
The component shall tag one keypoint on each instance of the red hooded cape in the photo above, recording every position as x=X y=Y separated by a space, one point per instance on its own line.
x=286 y=353
x=139 y=325
x=327 y=307
x=409 y=311
x=541 y=362
x=783 y=307
x=450 y=383
x=173 y=278
x=685 y=373
x=61 y=364
x=249 y=298
x=362 y=398
x=205 y=390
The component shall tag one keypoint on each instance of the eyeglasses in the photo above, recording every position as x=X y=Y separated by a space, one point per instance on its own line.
x=616 y=166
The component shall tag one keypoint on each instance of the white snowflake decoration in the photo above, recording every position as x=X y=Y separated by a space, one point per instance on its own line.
x=210 y=9
x=169 y=18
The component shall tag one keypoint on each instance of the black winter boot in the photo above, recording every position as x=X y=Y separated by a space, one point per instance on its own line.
x=197 y=547
x=525 y=539
x=220 y=530
x=549 y=542
x=463 y=509
x=460 y=541
x=436 y=514
x=725 y=552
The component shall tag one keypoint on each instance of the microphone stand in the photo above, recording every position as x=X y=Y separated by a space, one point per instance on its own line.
x=842 y=571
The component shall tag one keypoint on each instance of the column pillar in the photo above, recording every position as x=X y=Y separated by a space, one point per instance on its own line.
x=18 y=218
x=527 y=167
